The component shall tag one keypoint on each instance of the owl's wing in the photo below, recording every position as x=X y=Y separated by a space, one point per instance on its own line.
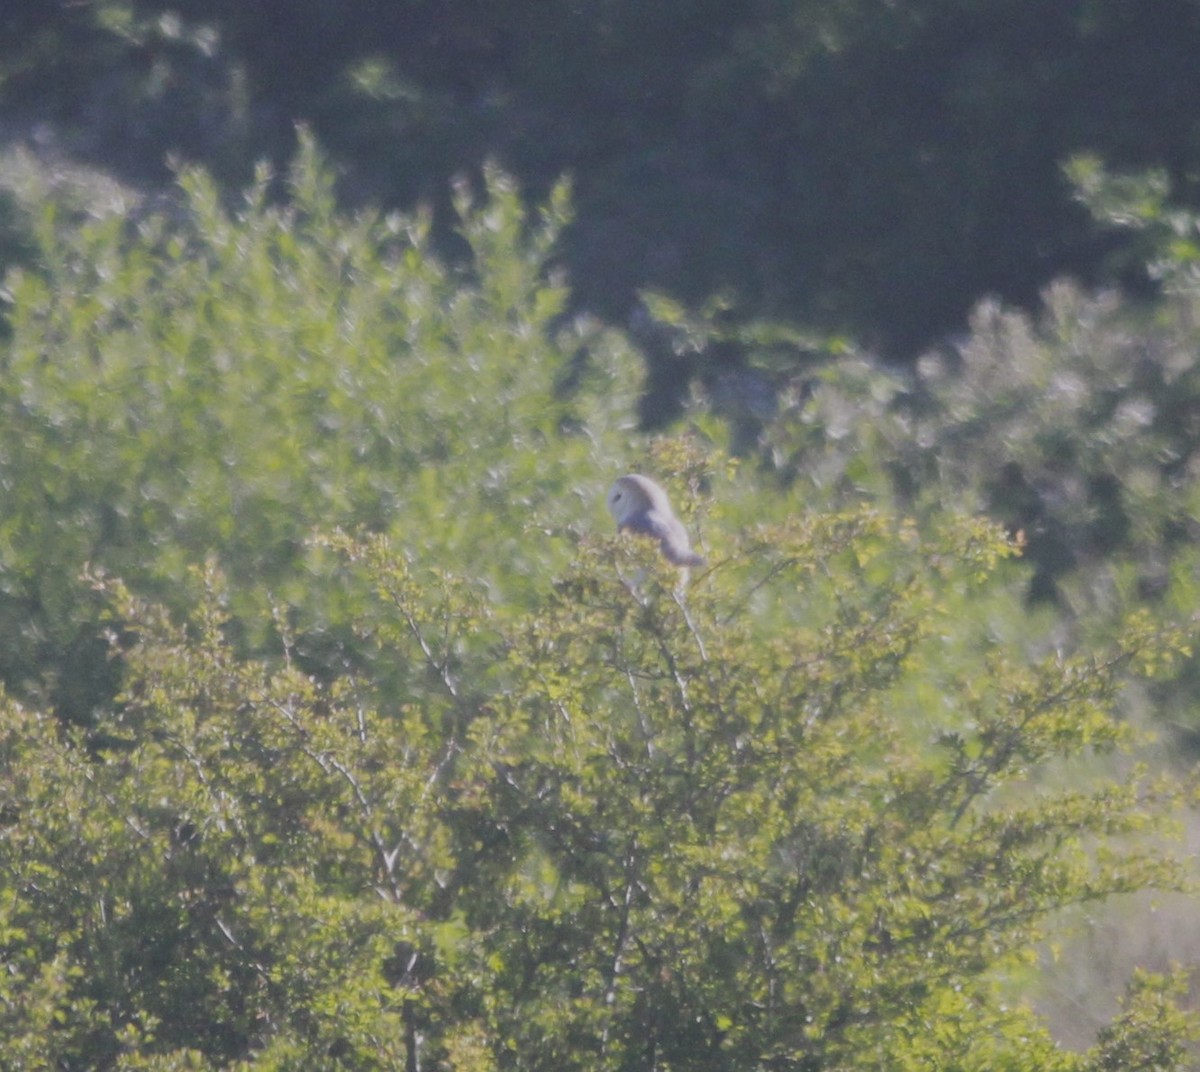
x=649 y=523
x=671 y=535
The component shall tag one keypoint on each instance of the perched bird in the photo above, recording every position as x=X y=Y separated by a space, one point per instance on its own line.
x=640 y=505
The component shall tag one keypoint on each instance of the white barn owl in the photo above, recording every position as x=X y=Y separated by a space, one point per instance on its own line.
x=640 y=505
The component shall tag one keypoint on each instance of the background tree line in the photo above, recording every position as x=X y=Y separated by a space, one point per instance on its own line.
x=858 y=166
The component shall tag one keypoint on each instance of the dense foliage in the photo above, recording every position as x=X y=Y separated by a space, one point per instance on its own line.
x=634 y=827
x=1074 y=425
x=342 y=733
x=224 y=383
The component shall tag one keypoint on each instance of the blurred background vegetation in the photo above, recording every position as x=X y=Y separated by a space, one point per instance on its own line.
x=439 y=270
x=856 y=166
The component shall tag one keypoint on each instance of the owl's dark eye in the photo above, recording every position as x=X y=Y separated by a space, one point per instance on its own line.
x=616 y=497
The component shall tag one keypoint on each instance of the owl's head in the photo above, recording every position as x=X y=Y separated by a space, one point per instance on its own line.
x=633 y=495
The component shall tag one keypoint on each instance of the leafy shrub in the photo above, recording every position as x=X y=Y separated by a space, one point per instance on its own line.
x=191 y=382
x=1075 y=427
x=780 y=821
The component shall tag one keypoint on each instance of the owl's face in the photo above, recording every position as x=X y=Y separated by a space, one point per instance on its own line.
x=626 y=499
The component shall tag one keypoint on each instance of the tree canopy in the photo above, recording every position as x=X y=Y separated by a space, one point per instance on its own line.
x=342 y=732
